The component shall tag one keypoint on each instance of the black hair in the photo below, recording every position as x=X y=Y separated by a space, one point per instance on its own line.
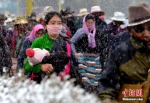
x=89 y=16
x=49 y=15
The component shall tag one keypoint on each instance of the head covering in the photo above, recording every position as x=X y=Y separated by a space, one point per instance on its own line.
x=97 y=9
x=91 y=36
x=82 y=12
x=13 y=17
x=32 y=35
x=138 y=14
x=118 y=16
x=66 y=13
x=63 y=32
x=8 y=20
x=46 y=10
x=21 y=20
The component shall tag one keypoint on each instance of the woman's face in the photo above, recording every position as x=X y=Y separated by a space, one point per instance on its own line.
x=55 y=20
x=39 y=33
x=89 y=22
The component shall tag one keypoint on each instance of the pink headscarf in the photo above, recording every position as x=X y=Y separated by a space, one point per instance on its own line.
x=36 y=28
x=91 y=36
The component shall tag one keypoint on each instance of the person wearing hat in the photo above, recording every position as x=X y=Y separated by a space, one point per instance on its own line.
x=78 y=22
x=19 y=34
x=128 y=65
x=116 y=27
x=118 y=20
x=32 y=21
x=68 y=21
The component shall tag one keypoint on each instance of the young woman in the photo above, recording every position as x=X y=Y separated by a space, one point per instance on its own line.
x=92 y=45
x=52 y=43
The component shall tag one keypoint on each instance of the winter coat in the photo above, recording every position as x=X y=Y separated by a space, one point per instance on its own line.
x=71 y=25
x=22 y=56
x=119 y=38
x=44 y=42
x=79 y=43
x=5 y=58
x=128 y=63
x=102 y=26
x=26 y=44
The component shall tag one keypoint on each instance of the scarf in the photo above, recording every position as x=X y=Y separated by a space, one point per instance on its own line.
x=91 y=36
x=138 y=44
x=32 y=35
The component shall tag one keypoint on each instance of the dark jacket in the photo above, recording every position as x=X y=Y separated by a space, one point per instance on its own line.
x=119 y=38
x=128 y=63
x=102 y=26
x=22 y=56
x=5 y=58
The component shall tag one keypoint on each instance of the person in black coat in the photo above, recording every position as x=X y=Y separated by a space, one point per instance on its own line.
x=5 y=57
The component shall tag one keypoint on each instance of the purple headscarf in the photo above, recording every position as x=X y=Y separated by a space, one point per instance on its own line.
x=32 y=35
x=91 y=36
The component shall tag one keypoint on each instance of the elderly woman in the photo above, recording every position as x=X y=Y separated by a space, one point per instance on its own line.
x=37 y=32
x=52 y=43
x=89 y=47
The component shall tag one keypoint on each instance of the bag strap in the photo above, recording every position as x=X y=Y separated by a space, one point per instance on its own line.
x=58 y=42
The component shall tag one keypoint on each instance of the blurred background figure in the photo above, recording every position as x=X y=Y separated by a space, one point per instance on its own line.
x=19 y=34
x=37 y=32
x=82 y=13
x=118 y=20
x=68 y=21
x=5 y=57
x=3 y=18
x=32 y=21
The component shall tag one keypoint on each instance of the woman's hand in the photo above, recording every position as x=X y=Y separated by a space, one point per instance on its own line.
x=77 y=55
x=47 y=68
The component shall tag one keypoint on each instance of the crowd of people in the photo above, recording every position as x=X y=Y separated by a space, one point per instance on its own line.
x=108 y=59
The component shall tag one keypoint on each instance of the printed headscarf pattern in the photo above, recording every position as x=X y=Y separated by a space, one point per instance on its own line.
x=32 y=35
x=91 y=36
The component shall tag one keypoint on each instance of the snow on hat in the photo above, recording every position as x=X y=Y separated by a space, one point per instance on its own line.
x=83 y=12
x=46 y=10
x=96 y=9
x=119 y=16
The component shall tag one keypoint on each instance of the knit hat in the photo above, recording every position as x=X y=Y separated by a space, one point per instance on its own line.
x=36 y=55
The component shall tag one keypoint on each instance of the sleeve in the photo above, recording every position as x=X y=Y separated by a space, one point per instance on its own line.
x=109 y=78
x=104 y=47
x=22 y=55
x=74 y=39
x=35 y=68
